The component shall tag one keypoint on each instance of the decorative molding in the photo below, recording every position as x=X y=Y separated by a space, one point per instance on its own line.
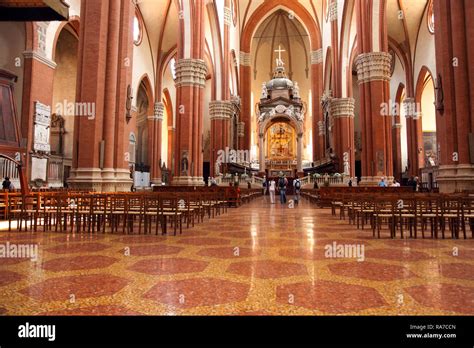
x=333 y=11
x=41 y=30
x=409 y=107
x=158 y=111
x=221 y=109
x=241 y=129
x=191 y=72
x=342 y=107
x=317 y=56
x=227 y=16
x=291 y=111
x=373 y=66
x=397 y=126
x=40 y=58
x=245 y=59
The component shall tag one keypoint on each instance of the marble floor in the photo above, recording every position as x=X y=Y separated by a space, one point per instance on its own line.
x=259 y=259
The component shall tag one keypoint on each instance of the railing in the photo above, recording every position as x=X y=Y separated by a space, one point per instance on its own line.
x=333 y=180
x=305 y=180
x=9 y=169
x=257 y=180
x=55 y=173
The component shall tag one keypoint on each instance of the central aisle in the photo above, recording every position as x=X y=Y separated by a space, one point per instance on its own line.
x=259 y=259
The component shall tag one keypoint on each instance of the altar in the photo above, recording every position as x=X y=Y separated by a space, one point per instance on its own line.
x=280 y=115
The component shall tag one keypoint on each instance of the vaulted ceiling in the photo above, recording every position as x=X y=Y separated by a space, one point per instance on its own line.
x=280 y=30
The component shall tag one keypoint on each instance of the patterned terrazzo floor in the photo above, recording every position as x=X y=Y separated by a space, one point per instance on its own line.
x=260 y=259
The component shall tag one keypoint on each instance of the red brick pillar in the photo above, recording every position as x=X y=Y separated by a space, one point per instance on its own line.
x=397 y=149
x=342 y=111
x=221 y=113
x=104 y=74
x=316 y=93
x=38 y=81
x=414 y=137
x=454 y=35
x=245 y=95
x=155 y=124
x=373 y=70
x=191 y=74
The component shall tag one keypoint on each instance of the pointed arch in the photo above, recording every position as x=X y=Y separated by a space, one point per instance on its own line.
x=267 y=8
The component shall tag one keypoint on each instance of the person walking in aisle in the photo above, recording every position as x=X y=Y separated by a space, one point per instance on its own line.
x=272 y=191
x=282 y=183
x=297 y=188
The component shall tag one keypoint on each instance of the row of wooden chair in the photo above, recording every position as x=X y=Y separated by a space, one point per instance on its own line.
x=407 y=214
x=111 y=212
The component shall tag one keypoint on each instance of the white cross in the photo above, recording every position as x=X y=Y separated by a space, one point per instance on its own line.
x=279 y=50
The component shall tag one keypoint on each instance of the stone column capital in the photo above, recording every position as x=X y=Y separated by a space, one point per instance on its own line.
x=373 y=66
x=409 y=106
x=241 y=129
x=191 y=72
x=342 y=107
x=158 y=112
x=245 y=58
x=333 y=11
x=221 y=109
x=317 y=56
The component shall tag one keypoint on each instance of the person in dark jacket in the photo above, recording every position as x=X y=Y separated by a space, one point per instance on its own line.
x=7 y=184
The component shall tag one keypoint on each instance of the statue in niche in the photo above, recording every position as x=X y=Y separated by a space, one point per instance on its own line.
x=264 y=91
x=296 y=91
x=217 y=168
x=184 y=163
x=164 y=174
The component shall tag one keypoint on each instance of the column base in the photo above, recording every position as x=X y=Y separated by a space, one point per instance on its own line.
x=156 y=181
x=455 y=178
x=374 y=180
x=188 y=181
x=100 y=180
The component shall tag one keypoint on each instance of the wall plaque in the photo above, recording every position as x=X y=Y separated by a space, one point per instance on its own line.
x=38 y=168
x=42 y=127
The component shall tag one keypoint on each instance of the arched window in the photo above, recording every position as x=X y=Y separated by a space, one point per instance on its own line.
x=137 y=28
x=430 y=18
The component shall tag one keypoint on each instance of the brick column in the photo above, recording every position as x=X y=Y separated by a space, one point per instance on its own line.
x=245 y=94
x=342 y=111
x=38 y=81
x=455 y=96
x=221 y=113
x=317 y=113
x=104 y=74
x=414 y=137
x=190 y=83
x=155 y=124
x=397 y=149
x=373 y=70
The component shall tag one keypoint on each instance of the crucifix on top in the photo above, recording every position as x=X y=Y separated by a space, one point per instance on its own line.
x=279 y=61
